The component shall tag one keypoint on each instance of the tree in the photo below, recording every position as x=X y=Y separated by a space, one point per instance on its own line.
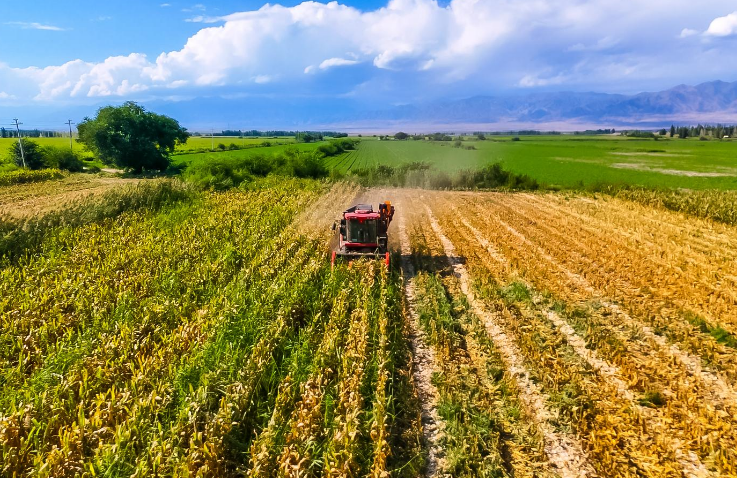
x=672 y=131
x=130 y=137
x=32 y=152
x=401 y=135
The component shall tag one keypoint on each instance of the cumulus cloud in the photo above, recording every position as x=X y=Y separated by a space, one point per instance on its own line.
x=408 y=42
x=688 y=32
x=723 y=26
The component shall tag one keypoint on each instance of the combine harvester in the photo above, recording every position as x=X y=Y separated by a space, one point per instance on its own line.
x=363 y=233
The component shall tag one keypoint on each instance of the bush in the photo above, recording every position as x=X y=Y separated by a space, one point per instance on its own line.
x=305 y=165
x=420 y=175
x=494 y=176
x=225 y=173
x=62 y=158
x=336 y=147
x=221 y=147
x=218 y=174
x=32 y=152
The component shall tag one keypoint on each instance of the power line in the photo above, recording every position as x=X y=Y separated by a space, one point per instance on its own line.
x=20 y=141
x=71 y=145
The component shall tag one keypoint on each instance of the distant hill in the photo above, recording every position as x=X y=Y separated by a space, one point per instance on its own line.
x=711 y=102
x=704 y=102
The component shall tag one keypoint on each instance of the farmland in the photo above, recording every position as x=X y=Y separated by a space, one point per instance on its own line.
x=568 y=161
x=151 y=327
x=560 y=161
x=518 y=334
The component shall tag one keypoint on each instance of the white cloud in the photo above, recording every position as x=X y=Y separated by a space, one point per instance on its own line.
x=723 y=26
x=204 y=19
x=532 y=81
x=164 y=5
x=514 y=44
x=331 y=62
x=688 y=32
x=195 y=8
x=36 y=26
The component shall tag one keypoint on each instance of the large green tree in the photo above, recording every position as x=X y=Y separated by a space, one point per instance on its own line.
x=132 y=138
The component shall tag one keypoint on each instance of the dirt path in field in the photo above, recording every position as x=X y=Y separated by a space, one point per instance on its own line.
x=25 y=200
x=423 y=363
x=564 y=451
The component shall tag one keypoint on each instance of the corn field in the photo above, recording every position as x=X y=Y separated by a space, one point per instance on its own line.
x=516 y=335
x=209 y=338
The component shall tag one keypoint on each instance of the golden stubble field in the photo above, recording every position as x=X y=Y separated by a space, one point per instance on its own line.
x=517 y=334
x=609 y=325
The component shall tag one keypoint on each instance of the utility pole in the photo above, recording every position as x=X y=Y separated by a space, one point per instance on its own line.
x=71 y=144
x=20 y=142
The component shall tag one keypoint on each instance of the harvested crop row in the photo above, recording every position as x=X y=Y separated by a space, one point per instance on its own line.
x=553 y=269
x=485 y=434
x=666 y=280
x=669 y=421
x=424 y=362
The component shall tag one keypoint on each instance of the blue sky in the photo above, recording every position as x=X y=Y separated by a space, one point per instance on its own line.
x=374 y=53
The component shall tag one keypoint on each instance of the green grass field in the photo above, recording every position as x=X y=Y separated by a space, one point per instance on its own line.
x=566 y=161
x=194 y=143
x=189 y=158
x=569 y=161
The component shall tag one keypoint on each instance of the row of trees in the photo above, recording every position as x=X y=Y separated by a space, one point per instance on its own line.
x=272 y=133
x=718 y=131
x=32 y=133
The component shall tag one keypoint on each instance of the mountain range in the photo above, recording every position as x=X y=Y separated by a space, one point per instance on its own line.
x=712 y=102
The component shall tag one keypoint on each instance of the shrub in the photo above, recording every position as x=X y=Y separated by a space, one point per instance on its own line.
x=62 y=158
x=218 y=174
x=32 y=152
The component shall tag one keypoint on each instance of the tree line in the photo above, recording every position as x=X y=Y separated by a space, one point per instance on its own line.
x=30 y=133
x=718 y=131
x=275 y=133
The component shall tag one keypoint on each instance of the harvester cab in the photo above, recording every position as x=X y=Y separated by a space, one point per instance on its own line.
x=362 y=232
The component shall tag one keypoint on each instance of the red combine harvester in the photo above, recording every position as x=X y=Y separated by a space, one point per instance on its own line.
x=363 y=232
